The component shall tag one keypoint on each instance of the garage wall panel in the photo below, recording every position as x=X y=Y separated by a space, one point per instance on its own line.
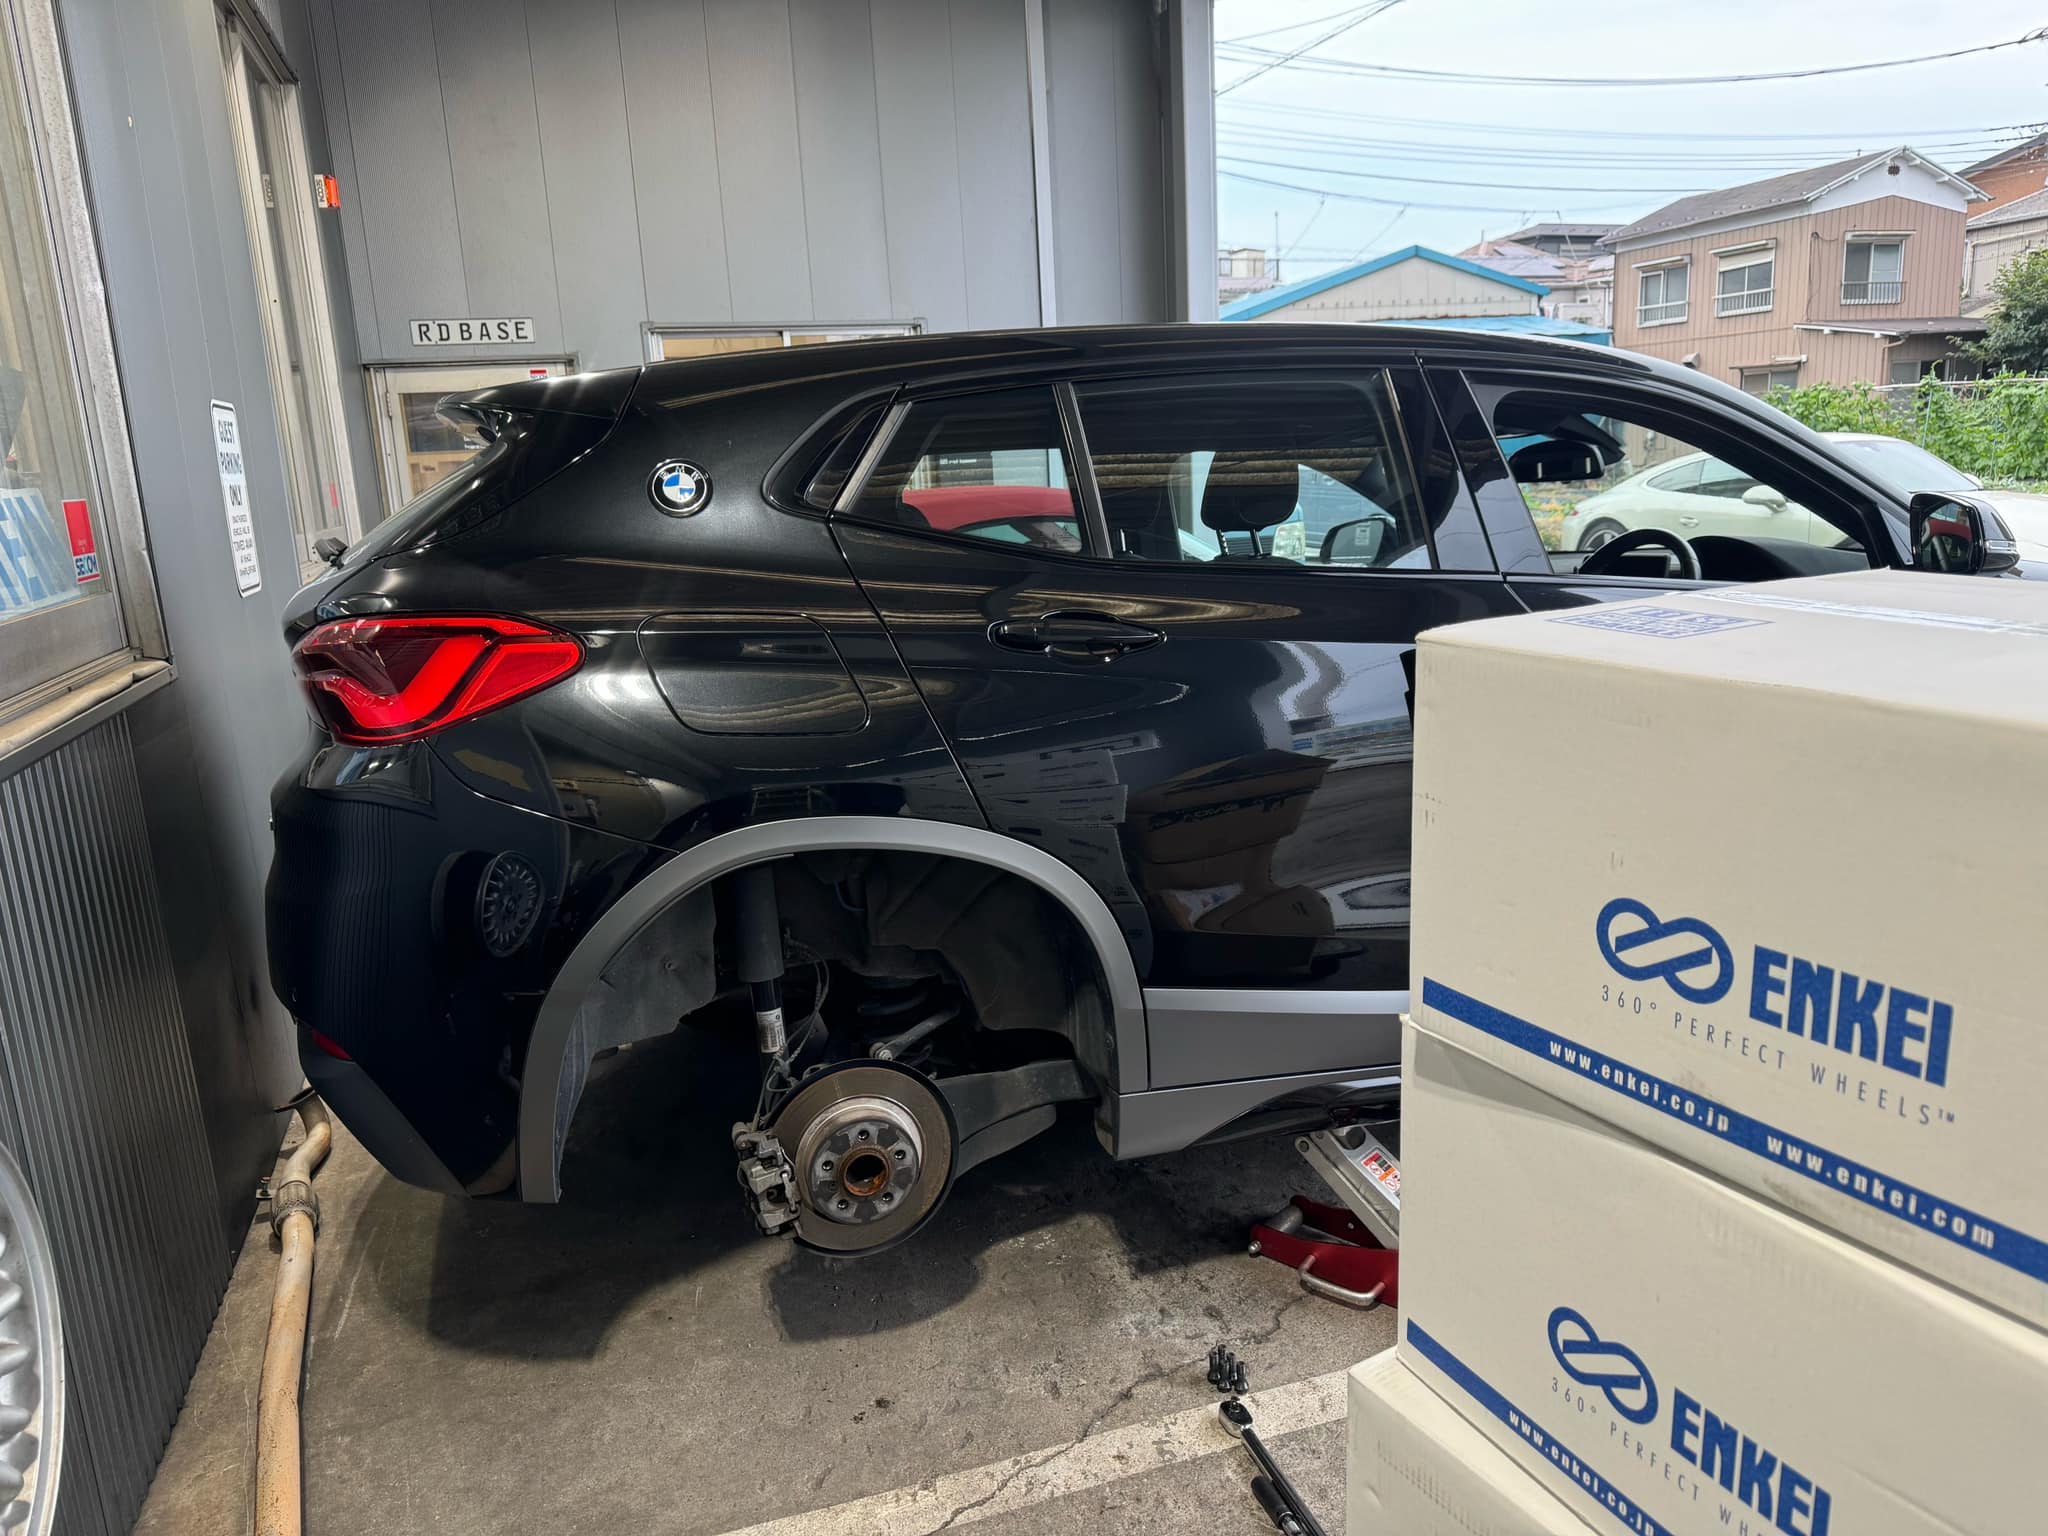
x=838 y=136
x=591 y=216
x=760 y=171
x=605 y=164
x=998 y=215
x=666 y=59
x=390 y=71
x=488 y=100
x=920 y=158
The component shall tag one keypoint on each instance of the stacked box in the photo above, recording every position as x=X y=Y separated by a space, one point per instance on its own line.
x=1722 y=1205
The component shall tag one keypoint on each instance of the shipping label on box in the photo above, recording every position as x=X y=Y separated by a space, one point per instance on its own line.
x=1767 y=892
x=1673 y=1357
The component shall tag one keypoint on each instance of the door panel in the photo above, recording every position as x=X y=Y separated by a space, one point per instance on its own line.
x=1237 y=789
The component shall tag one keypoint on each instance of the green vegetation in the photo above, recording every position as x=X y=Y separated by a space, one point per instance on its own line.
x=1996 y=430
x=2017 y=340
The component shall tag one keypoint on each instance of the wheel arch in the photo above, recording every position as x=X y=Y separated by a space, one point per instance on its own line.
x=551 y=1082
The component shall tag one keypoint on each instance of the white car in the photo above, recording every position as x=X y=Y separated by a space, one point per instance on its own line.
x=1693 y=495
x=1698 y=494
x=1907 y=468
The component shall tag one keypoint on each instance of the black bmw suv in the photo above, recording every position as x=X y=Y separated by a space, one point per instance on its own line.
x=986 y=722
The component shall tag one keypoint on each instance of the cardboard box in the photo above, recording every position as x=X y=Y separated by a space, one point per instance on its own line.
x=1673 y=1357
x=1759 y=873
x=1413 y=1467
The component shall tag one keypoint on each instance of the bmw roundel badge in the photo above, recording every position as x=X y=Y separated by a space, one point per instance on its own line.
x=679 y=488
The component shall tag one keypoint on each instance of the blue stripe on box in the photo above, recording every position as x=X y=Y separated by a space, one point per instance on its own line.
x=1569 y=1462
x=1916 y=1207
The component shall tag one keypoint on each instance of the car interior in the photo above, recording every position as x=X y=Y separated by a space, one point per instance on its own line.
x=1562 y=448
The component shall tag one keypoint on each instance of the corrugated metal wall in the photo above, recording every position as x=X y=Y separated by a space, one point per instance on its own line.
x=599 y=164
x=98 y=1099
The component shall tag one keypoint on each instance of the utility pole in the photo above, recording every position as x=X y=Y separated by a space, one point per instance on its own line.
x=1276 y=245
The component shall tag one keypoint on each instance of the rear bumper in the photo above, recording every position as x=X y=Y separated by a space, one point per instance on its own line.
x=381 y=938
x=374 y=1120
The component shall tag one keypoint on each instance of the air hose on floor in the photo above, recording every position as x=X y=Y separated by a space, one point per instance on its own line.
x=295 y=1217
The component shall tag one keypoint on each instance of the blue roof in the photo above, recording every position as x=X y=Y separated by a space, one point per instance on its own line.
x=1521 y=325
x=1252 y=305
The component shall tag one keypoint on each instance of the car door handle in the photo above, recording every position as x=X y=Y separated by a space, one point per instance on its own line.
x=1688 y=522
x=1073 y=635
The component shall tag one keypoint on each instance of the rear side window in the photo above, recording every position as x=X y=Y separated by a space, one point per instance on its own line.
x=990 y=466
x=1302 y=471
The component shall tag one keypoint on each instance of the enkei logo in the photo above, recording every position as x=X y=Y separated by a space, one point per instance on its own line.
x=1642 y=946
x=1902 y=1030
x=1592 y=1361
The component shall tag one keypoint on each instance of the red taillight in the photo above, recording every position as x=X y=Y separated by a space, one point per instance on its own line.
x=327 y=1047
x=390 y=679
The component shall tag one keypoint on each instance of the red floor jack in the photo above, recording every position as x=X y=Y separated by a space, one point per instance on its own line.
x=1349 y=1254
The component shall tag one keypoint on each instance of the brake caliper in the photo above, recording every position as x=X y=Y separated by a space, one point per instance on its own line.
x=768 y=1177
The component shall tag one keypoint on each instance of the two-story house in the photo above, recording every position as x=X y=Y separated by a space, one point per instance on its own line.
x=2011 y=174
x=1845 y=273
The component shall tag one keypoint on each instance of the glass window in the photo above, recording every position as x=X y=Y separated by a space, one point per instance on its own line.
x=1662 y=295
x=1312 y=472
x=1761 y=381
x=1743 y=282
x=58 y=611
x=1651 y=478
x=990 y=466
x=1873 y=272
x=665 y=343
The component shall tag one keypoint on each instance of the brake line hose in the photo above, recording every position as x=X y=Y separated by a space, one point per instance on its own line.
x=295 y=1217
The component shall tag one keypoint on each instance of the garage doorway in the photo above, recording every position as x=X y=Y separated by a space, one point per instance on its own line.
x=291 y=287
x=416 y=446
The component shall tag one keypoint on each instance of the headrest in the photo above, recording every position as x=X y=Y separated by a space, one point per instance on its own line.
x=1250 y=495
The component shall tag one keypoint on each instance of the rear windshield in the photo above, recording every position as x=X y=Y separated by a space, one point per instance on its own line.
x=529 y=448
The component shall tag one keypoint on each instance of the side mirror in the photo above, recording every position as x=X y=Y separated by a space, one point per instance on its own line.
x=330 y=549
x=1356 y=542
x=1767 y=497
x=1960 y=535
x=1554 y=460
x=1974 y=483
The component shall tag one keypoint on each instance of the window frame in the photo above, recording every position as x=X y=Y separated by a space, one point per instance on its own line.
x=39 y=643
x=1871 y=243
x=1484 y=387
x=1744 y=259
x=1662 y=270
x=1462 y=518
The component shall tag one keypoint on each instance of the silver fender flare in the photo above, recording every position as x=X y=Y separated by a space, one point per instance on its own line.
x=551 y=1083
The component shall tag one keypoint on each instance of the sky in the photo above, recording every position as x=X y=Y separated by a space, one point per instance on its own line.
x=1372 y=163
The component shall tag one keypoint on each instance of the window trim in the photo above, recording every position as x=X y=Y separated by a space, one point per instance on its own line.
x=34 y=57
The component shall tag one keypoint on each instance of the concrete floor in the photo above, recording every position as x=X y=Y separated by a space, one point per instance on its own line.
x=636 y=1359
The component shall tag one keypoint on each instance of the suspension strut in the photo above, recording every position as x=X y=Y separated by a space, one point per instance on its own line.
x=760 y=935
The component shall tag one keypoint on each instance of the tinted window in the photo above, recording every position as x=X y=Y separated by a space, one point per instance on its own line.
x=987 y=466
x=1718 y=479
x=1252 y=467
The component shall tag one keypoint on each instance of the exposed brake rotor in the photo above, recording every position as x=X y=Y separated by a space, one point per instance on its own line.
x=871 y=1145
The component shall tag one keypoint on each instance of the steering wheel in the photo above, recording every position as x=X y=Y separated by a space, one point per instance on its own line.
x=1601 y=563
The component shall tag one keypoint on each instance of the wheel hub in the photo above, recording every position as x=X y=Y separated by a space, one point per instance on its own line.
x=872 y=1152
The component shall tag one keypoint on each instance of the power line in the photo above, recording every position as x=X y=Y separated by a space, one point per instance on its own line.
x=1437 y=181
x=1388 y=202
x=1518 y=130
x=1275 y=60
x=1366 y=13
x=1292 y=26
x=1410 y=152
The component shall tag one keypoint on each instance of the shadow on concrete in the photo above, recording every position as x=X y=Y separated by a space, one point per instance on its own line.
x=649 y=1199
